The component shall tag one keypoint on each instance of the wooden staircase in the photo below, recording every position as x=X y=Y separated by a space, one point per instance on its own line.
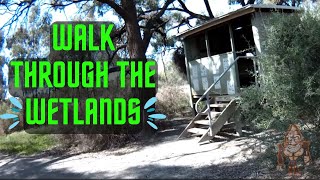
x=223 y=116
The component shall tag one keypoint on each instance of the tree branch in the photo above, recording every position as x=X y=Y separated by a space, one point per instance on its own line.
x=241 y=2
x=116 y=51
x=251 y=2
x=183 y=22
x=116 y=7
x=158 y=9
x=164 y=8
x=154 y=23
x=206 y=2
x=199 y=16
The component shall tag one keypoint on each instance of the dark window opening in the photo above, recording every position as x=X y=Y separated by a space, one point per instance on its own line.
x=244 y=44
x=246 y=72
x=219 y=40
x=243 y=36
x=197 y=46
x=201 y=44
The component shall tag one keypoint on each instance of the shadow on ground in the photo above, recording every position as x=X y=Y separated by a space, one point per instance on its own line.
x=260 y=167
x=31 y=168
x=220 y=171
x=36 y=167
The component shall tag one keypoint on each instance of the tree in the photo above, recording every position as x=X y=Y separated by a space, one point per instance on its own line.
x=2 y=62
x=142 y=20
x=31 y=40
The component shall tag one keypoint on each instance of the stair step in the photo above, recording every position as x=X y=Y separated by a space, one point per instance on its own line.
x=221 y=105
x=228 y=130
x=229 y=125
x=225 y=98
x=247 y=132
x=225 y=134
x=202 y=122
x=215 y=114
x=197 y=131
x=221 y=137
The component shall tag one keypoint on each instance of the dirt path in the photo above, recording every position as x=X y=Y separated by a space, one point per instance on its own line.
x=164 y=157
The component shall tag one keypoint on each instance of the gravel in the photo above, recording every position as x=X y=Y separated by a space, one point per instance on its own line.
x=162 y=157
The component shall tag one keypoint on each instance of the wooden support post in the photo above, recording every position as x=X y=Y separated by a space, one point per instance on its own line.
x=188 y=73
x=237 y=120
x=233 y=48
x=207 y=44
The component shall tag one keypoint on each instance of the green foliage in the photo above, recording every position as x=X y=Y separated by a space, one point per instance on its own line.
x=290 y=92
x=31 y=40
x=291 y=72
x=25 y=143
x=252 y=108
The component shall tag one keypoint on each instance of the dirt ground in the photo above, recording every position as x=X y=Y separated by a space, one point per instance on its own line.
x=162 y=157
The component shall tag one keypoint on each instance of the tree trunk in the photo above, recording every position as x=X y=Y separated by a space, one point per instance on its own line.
x=136 y=52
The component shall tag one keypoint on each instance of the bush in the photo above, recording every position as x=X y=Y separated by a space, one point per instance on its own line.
x=290 y=92
x=253 y=111
x=173 y=97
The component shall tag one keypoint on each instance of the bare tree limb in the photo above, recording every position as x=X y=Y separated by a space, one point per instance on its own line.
x=158 y=9
x=241 y=2
x=251 y=2
x=199 y=16
x=183 y=22
x=154 y=23
x=206 y=2
x=22 y=8
x=164 y=8
x=116 y=51
x=116 y=7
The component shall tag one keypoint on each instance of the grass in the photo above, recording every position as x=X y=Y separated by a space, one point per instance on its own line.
x=173 y=100
x=23 y=143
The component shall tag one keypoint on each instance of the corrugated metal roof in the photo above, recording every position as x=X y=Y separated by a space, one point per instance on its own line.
x=232 y=15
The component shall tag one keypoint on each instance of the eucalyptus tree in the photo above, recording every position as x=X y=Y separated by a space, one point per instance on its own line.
x=140 y=21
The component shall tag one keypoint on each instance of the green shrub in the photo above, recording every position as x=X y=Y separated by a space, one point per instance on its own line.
x=290 y=92
x=252 y=108
x=291 y=67
x=26 y=144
